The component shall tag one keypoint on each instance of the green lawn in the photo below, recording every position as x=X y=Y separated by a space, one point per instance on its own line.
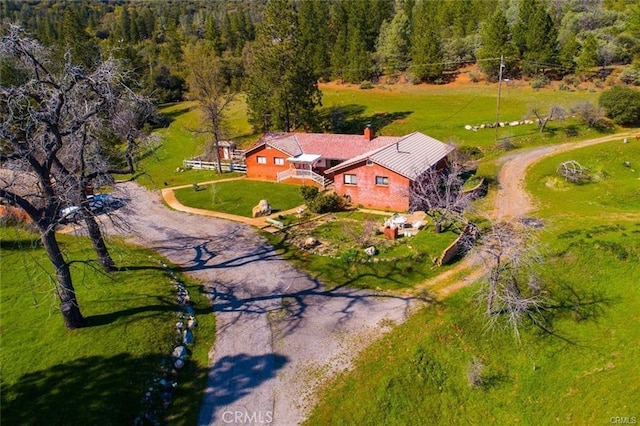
x=585 y=375
x=240 y=196
x=98 y=374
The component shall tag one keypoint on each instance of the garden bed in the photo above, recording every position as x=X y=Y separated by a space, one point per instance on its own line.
x=332 y=247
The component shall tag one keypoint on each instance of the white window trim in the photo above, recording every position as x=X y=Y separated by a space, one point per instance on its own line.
x=355 y=178
x=261 y=159
x=278 y=161
x=382 y=177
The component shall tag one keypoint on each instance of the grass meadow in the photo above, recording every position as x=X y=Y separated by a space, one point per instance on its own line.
x=97 y=374
x=440 y=111
x=584 y=374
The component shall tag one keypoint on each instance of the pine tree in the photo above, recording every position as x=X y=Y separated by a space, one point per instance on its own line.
x=339 y=22
x=568 y=53
x=496 y=42
x=282 y=90
x=74 y=39
x=526 y=9
x=588 y=57
x=426 y=45
x=541 y=43
x=313 y=35
x=393 y=43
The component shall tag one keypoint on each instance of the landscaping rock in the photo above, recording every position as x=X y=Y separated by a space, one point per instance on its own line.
x=310 y=243
x=371 y=251
x=179 y=352
x=188 y=337
x=262 y=209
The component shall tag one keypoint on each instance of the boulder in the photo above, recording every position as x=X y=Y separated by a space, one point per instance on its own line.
x=310 y=242
x=180 y=352
x=262 y=209
x=370 y=251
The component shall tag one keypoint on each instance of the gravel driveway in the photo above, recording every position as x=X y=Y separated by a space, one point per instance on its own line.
x=280 y=333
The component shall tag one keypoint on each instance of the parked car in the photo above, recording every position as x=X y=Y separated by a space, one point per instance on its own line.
x=99 y=203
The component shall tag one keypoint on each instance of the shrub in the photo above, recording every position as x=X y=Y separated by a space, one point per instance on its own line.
x=475 y=76
x=474 y=373
x=571 y=80
x=622 y=105
x=325 y=203
x=589 y=114
x=506 y=143
x=571 y=131
x=468 y=153
x=366 y=84
x=308 y=193
x=631 y=76
x=539 y=81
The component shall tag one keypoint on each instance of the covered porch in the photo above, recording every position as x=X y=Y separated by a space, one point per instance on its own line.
x=302 y=167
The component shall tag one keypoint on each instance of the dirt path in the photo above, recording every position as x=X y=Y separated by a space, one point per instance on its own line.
x=280 y=333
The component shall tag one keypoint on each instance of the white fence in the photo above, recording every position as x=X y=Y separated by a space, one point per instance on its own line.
x=231 y=166
x=301 y=174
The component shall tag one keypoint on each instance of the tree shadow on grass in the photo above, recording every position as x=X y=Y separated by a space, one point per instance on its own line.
x=350 y=119
x=86 y=391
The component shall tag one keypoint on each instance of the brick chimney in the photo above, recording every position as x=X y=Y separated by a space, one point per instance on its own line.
x=368 y=132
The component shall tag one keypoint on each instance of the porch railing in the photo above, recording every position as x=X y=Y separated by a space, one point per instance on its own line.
x=301 y=174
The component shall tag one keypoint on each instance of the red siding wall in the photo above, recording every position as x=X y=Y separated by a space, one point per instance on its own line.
x=394 y=196
x=267 y=171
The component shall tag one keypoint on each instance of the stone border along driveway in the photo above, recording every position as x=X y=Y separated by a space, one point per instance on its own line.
x=279 y=332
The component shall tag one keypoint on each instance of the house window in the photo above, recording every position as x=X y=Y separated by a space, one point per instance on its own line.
x=279 y=161
x=350 y=179
x=369 y=163
x=262 y=159
x=382 y=180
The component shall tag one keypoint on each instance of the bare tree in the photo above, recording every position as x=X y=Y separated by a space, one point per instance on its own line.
x=85 y=162
x=555 y=113
x=512 y=290
x=591 y=115
x=440 y=194
x=209 y=81
x=47 y=121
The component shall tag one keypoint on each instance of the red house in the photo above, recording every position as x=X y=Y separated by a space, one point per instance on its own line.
x=374 y=172
x=382 y=178
x=305 y=156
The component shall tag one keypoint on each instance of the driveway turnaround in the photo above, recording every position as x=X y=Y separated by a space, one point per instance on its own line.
x=279 y=332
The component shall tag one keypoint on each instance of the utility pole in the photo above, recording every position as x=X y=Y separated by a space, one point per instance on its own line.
x=499 y=91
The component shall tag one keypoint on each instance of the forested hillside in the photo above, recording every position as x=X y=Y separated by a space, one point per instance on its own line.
x=353 y=41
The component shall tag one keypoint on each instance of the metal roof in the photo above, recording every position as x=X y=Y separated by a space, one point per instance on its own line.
x=410 y=156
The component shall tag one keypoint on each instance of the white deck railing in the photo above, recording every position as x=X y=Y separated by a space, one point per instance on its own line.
x=301 y=174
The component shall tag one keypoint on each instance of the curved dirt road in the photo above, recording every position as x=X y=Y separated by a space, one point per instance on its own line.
x=512 y=201
x=279 y=331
